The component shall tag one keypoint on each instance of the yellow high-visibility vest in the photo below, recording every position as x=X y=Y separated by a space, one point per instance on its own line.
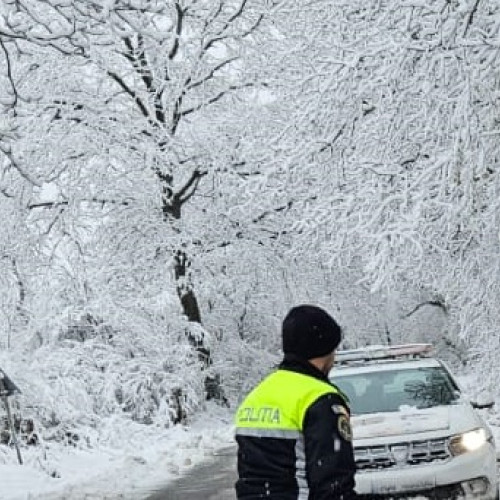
x=277 y=406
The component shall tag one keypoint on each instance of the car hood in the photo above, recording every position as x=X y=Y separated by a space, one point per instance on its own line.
x=409 y=420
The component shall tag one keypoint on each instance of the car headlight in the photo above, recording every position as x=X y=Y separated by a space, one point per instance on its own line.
x=468 y=441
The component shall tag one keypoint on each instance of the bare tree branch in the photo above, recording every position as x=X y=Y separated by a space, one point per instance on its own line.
x=435 y=303
x=267 y=213
x=178 y=30
x=137 y=56
x=470 y=17
x=131 y=93
x=211 y=74
x=22 y=172
x=100 y=201
x=210 y=19
x=182 y=196
x=238 y=13
x=220 y=35
x=9 y=74
x=5 y=193
x=216 y=98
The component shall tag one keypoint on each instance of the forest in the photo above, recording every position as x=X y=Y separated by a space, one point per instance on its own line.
x=176 y=174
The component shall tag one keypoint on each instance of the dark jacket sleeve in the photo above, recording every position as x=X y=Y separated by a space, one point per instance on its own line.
x=330 y=466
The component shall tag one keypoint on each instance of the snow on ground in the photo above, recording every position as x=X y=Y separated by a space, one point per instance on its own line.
x=130 y=461
x=131 y=464
x=150 y=457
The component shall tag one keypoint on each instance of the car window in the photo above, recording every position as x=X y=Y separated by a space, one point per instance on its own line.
x=389 y=390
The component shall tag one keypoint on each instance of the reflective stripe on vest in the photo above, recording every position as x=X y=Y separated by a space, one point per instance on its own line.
x=277 y=406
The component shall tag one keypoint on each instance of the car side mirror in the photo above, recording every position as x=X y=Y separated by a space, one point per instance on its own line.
x=483 y=400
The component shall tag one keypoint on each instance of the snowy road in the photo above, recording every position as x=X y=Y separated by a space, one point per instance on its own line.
x=211 y=481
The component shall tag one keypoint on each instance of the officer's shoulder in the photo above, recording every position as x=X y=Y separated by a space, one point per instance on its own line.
x=335 y=400
x=342 y=395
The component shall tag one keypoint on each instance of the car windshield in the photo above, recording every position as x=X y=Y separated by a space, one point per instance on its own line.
x=389 y=390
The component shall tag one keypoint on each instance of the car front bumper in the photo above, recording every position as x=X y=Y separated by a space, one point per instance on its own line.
x=472 y=475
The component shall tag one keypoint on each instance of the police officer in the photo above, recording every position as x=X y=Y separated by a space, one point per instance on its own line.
x=293 y=432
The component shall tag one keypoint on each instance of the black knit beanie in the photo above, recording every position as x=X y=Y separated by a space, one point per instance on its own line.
x=310 y=332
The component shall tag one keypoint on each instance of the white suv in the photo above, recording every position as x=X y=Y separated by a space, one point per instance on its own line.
x=415 y=434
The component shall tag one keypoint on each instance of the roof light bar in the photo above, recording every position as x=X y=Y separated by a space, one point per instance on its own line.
x=384 y=352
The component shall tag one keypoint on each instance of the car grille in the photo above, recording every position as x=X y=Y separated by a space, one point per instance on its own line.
x=448 y=492
x=401 y=454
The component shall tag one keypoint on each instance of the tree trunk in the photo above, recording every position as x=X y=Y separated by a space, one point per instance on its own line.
x=185 y=287
x=172 y=209
x=213 y=387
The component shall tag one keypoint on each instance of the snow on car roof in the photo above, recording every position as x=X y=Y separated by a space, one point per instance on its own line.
x=384 y=365
x=378 y=352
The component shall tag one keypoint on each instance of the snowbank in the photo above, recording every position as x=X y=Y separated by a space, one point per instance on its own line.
x=144 y=458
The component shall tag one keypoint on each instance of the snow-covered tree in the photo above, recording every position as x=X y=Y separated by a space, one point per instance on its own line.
x=120 y=112
x=393 y=150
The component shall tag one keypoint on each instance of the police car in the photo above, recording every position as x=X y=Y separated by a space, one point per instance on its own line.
x=415 y=434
